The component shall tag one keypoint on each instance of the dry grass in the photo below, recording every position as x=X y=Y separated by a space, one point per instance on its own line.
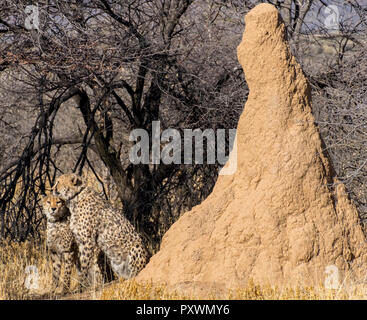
x=131 y=290
x=18 y=261
x=16 y=257
x=14 y=260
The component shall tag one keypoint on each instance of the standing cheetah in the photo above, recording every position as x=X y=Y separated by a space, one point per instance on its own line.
x=60 y=240
x=97 y=225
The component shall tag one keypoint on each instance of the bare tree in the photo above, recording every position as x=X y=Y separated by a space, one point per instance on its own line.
x=122 y=65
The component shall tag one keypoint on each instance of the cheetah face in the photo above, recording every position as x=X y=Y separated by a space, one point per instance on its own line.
x=54 y=208
x=67 y=186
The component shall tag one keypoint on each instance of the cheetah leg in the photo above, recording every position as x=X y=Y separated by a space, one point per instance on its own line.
x=86 y=259
x=68 y=260
x=56 y=268
x=105 y=266
x=136 y=262
x=95 y=272
x=77 y=262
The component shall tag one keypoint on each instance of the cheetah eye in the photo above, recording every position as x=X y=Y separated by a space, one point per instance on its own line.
x=49 y=202
x=58 y=202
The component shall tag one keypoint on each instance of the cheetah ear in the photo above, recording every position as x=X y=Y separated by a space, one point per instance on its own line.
x=76 y=180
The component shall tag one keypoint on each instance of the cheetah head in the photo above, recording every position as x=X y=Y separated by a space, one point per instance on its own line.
x=68 y=186
x=54 y=208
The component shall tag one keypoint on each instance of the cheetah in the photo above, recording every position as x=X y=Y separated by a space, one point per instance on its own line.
x=63 y=247
x=60 y=240
x=97 y=225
